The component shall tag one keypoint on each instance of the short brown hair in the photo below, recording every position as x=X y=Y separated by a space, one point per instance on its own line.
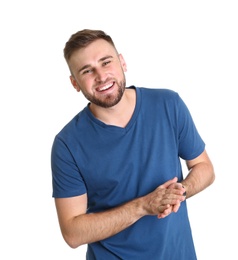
x=82 y=39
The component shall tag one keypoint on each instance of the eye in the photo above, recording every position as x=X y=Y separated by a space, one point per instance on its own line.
x=87 y=71
x=106 y=62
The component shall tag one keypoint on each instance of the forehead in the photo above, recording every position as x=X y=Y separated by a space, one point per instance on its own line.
x=93 y=53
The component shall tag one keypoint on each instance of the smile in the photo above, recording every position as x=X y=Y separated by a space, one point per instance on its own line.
x=103 y=88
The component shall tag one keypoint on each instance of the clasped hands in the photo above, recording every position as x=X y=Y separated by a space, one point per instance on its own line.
x=165 y=199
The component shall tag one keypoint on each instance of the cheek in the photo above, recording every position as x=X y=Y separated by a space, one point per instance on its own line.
x=86 y=84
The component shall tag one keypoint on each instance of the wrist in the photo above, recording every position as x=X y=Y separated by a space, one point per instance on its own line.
x=185 y=190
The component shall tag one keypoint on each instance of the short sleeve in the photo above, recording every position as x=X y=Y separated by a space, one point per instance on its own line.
x=66 y=178
x=191 y=144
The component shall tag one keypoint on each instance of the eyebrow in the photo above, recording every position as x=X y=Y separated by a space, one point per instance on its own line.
x=100 y=60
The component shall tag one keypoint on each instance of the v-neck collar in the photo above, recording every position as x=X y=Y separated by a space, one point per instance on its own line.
x=117 y=128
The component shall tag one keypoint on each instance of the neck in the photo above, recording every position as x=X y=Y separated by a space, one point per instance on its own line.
x=118 y=115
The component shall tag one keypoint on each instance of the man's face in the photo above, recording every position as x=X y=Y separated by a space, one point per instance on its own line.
x=98 y=71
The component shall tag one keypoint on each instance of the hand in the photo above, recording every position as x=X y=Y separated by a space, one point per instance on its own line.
x=179 y=186
x=165 y=199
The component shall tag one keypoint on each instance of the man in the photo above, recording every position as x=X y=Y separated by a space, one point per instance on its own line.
x=117 y=178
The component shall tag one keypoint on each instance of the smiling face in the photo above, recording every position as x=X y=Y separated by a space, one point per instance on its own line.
x=98 y=71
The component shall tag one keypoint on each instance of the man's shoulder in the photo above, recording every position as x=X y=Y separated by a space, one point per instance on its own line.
x=72 y=125
x=161 y=93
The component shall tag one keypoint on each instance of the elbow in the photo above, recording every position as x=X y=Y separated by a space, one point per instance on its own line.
x=71 y=244
x=72 y=241
x=212 y=175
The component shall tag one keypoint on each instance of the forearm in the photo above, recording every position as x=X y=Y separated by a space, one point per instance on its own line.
x=80 y=228
x=199 y=177
x=89 y=228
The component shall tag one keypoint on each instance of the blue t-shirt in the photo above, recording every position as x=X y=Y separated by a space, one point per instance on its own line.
x=114 y=165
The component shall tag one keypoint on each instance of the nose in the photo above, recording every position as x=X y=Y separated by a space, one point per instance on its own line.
x=100 y=75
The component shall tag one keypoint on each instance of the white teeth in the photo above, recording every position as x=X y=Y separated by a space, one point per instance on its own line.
x=105 y=87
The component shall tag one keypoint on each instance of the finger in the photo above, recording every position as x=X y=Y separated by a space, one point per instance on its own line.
x=172 y=200
x=162 y=208
x=174 y=191
x=177 y=186
x=165 y=213
x=168 y=183
x=176 y=207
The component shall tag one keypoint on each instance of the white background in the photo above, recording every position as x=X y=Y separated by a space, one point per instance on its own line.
x=185 y=45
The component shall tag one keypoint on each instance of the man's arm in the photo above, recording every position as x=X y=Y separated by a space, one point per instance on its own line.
x=201 y=174
x=79 y=228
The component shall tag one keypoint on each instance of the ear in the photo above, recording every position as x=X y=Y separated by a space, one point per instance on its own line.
x=123 y=63
x=74 y=83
